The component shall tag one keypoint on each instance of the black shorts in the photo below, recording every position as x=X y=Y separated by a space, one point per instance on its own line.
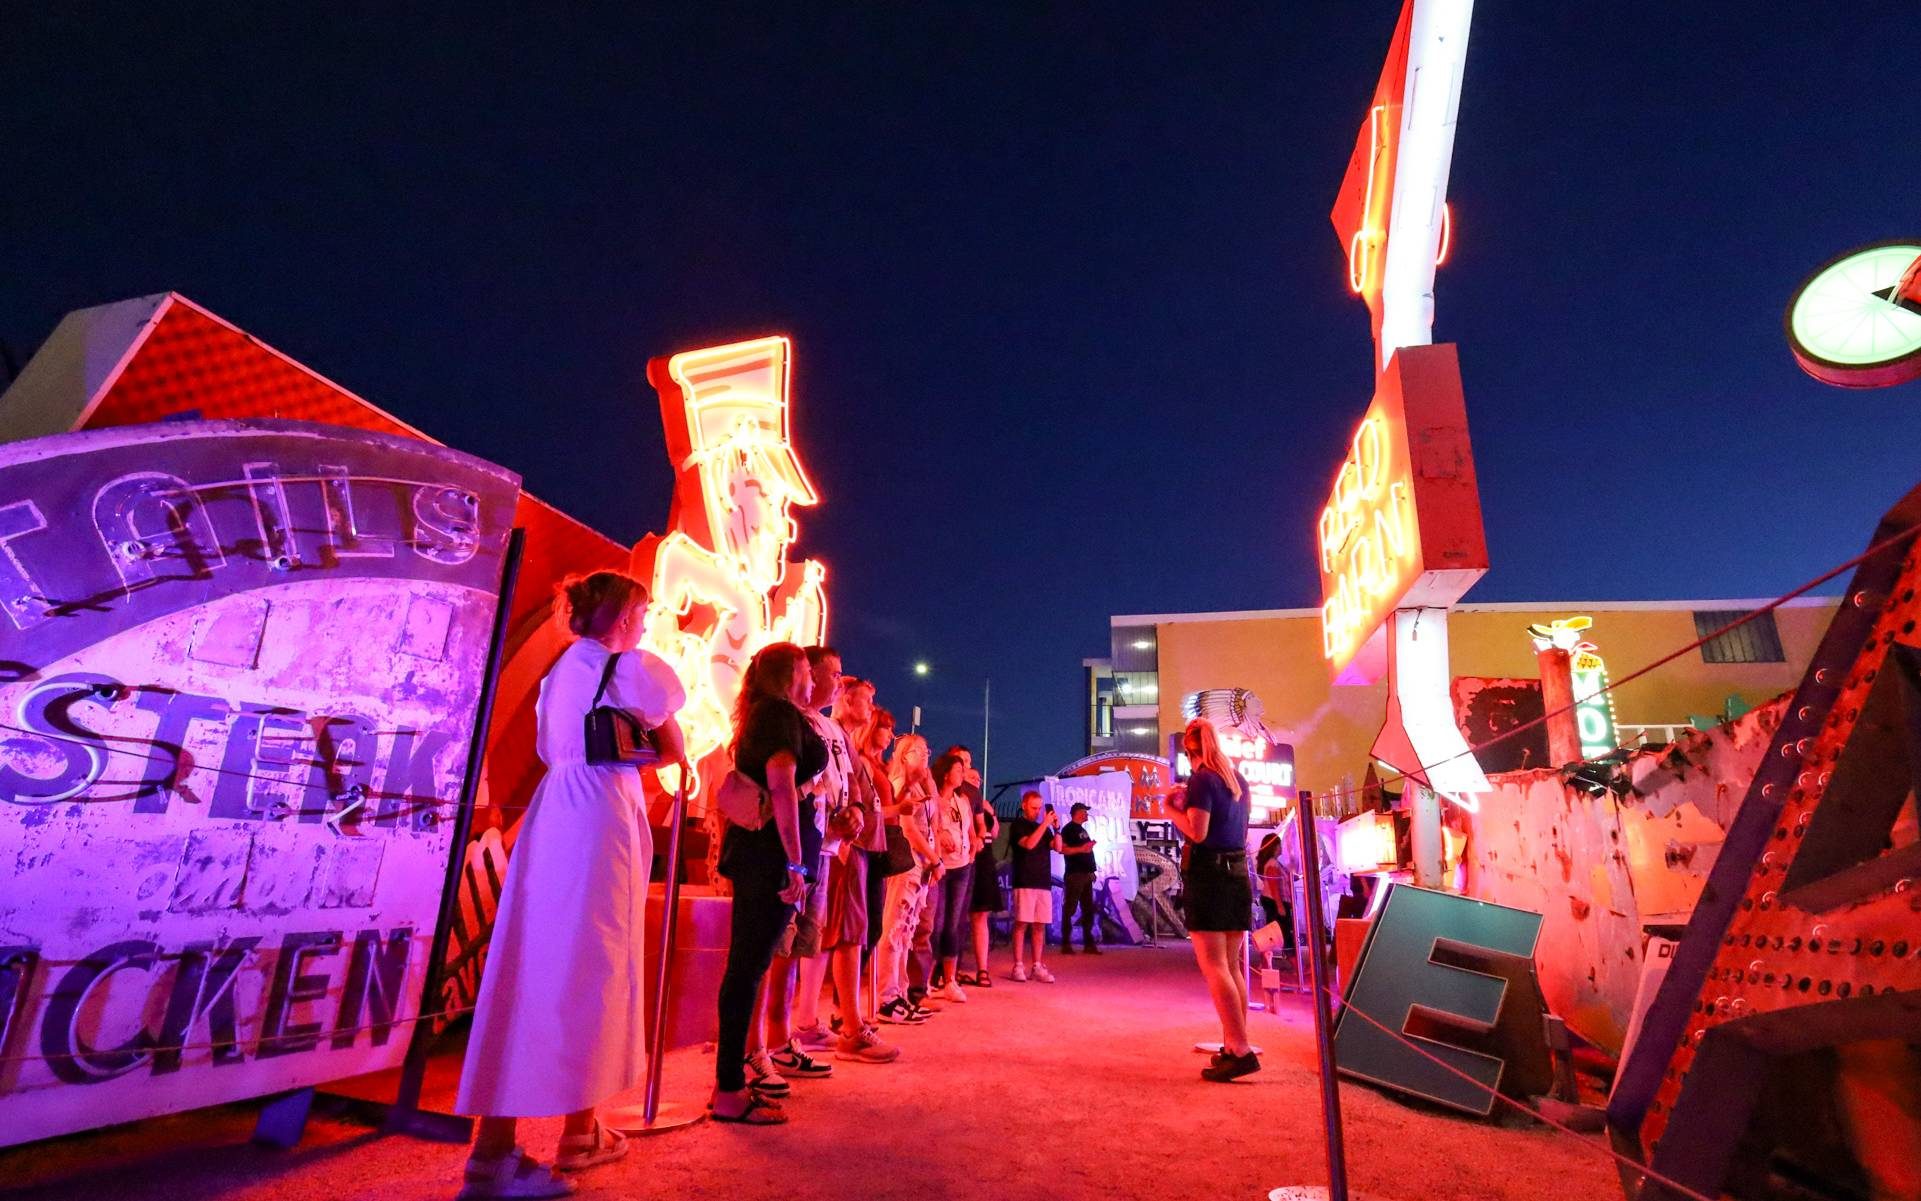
x=987 y=896
x=1215 y=891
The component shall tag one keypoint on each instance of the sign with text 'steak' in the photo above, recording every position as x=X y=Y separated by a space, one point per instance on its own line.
x=1800 y=971
x=240 y=665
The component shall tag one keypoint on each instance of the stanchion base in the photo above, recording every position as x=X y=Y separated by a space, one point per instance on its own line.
x=632 y=1120
x=1215 y=1048
x=1316 y=1192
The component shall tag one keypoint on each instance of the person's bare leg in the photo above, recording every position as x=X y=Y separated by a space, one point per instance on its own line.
x=495 y=1138
x=811 y=978
x=1237 y=961
x=1039 y=930
x=779 y=1004
x=1229 y=1002
x=870 y=973
x=580 y=1122
x=846 y=966
x=983 y=938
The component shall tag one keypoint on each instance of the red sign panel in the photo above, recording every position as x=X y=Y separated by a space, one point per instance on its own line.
x=1402 y=525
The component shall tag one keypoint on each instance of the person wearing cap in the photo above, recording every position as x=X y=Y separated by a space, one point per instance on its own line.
x=1077 y=881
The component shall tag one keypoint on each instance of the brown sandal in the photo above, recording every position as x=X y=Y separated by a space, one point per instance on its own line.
x=759 y=1112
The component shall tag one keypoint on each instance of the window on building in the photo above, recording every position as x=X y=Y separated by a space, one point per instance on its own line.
x=1137 y=688
x=1757 y=641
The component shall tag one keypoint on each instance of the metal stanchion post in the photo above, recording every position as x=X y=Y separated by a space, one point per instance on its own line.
x=649 y=1119
x=1336 y=1189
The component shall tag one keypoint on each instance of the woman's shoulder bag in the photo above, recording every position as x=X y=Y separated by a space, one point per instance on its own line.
x=615 y=736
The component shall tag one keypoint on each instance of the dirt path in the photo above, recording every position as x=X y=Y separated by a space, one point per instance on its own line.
x=1085 y=1088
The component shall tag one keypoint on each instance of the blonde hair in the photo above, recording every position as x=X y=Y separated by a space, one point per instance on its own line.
x=1203 y=748
x=897 y=769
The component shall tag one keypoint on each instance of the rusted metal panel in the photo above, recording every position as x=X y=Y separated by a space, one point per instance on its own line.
x=1603 y=868
x=241 y=668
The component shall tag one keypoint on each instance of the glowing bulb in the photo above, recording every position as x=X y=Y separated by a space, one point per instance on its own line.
x=921 y=669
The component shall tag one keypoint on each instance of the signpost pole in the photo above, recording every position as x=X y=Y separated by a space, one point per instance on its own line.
x=1323 y=1012
x=405 y=1115
x=650 y=1119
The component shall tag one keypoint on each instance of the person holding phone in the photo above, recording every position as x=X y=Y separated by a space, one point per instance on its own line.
x=776 y=748
x=1211 y=813
x=1077 y=881
x=1032 y=839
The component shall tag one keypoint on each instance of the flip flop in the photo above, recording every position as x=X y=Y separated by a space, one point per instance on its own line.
x=758 y=1113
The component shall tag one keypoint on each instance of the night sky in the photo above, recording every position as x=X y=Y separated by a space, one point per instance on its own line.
x=1072 y=331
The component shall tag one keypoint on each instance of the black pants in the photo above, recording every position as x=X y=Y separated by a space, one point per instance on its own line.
x=759 y=917
x=1077 y=891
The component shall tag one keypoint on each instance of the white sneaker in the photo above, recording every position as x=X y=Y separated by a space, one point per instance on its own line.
x=866 y=1046
x=814 y=1038
x=514 y=1175
x=1042 y=974
x=1019 y=973
x=764 y=1078
x=952 y=992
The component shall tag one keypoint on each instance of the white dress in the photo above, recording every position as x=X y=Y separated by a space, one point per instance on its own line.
x=559 y=1023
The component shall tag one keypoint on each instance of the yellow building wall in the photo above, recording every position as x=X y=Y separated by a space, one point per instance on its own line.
x=1279 y=658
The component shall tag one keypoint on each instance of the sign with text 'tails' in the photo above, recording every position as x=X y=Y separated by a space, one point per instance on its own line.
x=241 y=665
x=1402 y=525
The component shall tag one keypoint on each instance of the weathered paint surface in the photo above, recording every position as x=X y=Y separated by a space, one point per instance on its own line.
x=241 y=664
x=1602 y=869
x=157 y=358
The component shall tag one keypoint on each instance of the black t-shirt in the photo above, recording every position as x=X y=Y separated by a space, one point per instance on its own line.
x=1074 y=834
x=775 y=725
x=1032 y=868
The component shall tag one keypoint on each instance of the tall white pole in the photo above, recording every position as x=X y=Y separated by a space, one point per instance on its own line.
x=987 y=696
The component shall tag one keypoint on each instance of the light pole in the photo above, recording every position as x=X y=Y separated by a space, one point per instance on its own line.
x=922 y=669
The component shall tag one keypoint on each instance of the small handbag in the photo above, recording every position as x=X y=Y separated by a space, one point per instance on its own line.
x=615 y=736
x=741 y=801
x=898 y=858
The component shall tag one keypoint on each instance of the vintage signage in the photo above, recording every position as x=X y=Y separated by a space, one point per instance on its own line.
x=1268 y=768
x=1109 y=798
x=1152 y=780
x=721 y=581
x=1804 y=951
x=243 y=662
x=1856 y=322
x=1402 y=525
x=1593 y=703
x=162 y=358
x=1391 y=213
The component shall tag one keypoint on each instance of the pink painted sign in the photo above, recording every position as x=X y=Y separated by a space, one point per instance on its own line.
x=239 y=670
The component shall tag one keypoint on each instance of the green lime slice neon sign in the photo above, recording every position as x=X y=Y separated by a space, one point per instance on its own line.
x=1856 y=322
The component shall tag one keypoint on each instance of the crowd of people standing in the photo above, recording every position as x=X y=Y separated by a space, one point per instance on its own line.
x=871 y=880
x=859 y=871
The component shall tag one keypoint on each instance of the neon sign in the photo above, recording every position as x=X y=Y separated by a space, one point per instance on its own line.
x=1364 y=540
x=1268 y=768
x=1593 y=703
x=1402 y=523
x=722 y=586
x=1856 y=322
x=1391 y=213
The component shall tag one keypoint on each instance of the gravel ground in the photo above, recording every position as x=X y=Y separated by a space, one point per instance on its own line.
x=1084 y=1088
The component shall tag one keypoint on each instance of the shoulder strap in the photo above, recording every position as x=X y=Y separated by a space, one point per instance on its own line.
x=605 y=676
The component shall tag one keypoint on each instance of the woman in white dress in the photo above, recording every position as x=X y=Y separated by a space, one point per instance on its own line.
x=558 y=1027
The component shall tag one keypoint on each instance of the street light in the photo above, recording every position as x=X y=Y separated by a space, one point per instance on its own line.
x=922 y=669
